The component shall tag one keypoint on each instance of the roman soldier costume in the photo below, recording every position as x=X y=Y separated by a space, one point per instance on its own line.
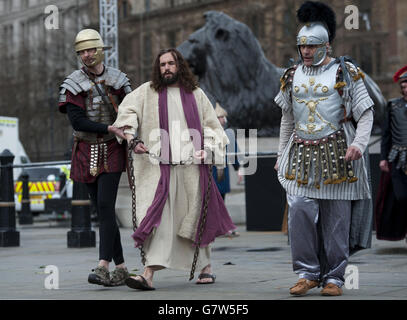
x=320 y=102
x=91 y=102
x=391 y=201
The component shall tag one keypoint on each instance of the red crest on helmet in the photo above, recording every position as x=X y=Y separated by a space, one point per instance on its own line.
x=401 y=74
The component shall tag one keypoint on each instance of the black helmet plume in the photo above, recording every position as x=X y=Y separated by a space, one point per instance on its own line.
x=315 y=11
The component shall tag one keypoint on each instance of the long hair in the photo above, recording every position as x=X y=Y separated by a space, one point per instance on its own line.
x=185 y=76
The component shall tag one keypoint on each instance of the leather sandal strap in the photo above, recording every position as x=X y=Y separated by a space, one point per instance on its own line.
x=206 y=276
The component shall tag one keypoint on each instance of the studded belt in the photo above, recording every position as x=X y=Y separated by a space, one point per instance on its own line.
x=323 y=159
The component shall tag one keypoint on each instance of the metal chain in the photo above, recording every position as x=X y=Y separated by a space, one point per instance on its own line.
x=132 y=144
x=189 y=161
x=203 y=222
x=164 y=161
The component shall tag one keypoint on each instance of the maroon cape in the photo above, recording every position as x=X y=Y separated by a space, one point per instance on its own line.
x=390 y=216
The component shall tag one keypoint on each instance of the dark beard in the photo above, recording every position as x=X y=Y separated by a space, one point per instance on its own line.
x=169 y=81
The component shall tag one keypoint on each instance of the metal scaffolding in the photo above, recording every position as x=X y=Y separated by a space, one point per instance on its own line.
x=109 y=31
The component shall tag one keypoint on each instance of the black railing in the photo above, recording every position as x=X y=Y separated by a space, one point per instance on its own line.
x=36 y=164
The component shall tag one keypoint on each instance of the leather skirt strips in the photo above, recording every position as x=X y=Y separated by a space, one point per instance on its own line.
x=399 y=152
x=319 y=161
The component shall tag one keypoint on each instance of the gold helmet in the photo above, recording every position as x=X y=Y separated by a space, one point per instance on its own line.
x=89 y=39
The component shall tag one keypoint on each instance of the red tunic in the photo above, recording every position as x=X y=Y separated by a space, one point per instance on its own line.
x=81 y=150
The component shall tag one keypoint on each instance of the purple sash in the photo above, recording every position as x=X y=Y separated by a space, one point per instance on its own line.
x=218 y=221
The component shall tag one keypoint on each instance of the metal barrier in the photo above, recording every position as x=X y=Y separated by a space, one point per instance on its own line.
x=80 y=235
x=265 y=199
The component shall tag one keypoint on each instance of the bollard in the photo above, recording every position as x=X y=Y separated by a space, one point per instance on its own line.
x=9 y=237
x=25 y=216
x=81 y=234
x=62 y=183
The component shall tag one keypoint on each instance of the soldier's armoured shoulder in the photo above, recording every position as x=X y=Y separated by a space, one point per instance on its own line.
x=393 y=103
x=76 y=82
x=354 y=71
x=117 y=79
x=287 y=77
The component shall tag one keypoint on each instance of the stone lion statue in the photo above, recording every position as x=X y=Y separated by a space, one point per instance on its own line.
x=233 y=70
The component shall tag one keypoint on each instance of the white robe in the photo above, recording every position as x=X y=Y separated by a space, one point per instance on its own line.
x=170 y=245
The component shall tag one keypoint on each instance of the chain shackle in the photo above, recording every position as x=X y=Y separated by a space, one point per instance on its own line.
x=203 y=222
x=132 y=144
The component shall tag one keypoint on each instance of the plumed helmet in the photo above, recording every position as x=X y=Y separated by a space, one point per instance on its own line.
x=319 y=27
x=313 y=34
x=401 y=75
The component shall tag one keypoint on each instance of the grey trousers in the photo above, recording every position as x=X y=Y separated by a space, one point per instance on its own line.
x=319 y=238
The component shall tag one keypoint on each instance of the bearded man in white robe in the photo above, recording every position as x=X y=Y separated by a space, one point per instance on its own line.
x=178 y=136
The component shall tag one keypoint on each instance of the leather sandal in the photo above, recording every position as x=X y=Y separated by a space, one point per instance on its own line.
x=138 y=284
x=206 y=276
